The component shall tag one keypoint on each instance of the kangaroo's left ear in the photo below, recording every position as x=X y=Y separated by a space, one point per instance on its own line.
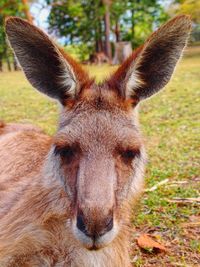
x=150 y=68
x=45 y=65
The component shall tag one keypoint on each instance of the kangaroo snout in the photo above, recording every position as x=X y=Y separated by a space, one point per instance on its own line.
x=95 y=229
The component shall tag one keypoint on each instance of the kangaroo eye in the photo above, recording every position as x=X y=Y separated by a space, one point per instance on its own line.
x=129 y=155
x=66 y=153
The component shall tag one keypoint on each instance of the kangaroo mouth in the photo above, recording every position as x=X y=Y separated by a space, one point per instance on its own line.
x=94 y=248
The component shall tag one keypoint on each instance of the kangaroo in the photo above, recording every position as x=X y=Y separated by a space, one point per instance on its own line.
x=66 y=200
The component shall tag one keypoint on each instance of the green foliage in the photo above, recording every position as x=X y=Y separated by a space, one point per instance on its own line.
x=82 y=21
x=76 y=20
x=79 y=51
x=189 y=7
x=2 y=37
x=11 y=8
x=143 y=16
x=8 y=8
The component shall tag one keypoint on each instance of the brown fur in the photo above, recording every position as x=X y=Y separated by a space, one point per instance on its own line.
x=66 y=200
x=15 y=127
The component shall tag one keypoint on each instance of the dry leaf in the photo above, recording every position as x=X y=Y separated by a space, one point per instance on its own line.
x=146 y=242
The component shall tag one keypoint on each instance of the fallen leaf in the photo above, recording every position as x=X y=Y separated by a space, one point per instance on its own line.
x=146 y=242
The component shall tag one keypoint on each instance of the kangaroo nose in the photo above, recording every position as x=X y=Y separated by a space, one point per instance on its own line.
x=94 y=229
x=81 y=225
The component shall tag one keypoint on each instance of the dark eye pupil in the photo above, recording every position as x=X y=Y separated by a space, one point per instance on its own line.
x=65 y=153
x=129 y=154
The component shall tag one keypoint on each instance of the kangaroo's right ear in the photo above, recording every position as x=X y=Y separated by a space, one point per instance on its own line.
x=150 y=68
x=45 y=65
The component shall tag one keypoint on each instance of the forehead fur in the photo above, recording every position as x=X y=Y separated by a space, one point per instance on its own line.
x=99 y=116
x=100 y=97
x=96 y=99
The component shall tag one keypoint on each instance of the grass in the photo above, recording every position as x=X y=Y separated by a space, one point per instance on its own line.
x=170 y=122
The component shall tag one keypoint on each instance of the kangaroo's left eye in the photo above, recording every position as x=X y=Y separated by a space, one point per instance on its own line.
x=66 y=153
x=129 y=154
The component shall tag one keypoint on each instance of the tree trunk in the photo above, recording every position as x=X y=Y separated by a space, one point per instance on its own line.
x=133 y=24
x=15 y=64
x=100 y=37
x=107 y=31
x=97 y=40
x=122 y=51
x=27 y=12
x=96 y=45
x=117 y=31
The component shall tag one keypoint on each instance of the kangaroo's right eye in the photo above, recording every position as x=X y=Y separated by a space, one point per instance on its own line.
x=129 y=154
x=66 y=153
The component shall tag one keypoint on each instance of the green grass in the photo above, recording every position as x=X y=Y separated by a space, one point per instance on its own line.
x=170 y=122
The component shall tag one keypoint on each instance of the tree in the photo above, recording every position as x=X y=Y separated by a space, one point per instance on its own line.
x=2 y=42
x=118 y=9
x=79 y=21
x=8 y=8
x=28 y=15
x=108 y=51
x=141 y=18
x=95 y=22
x=189 y=7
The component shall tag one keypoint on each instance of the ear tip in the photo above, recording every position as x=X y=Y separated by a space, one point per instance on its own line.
x=183 y=21
x=14 y=21
x=184 y=17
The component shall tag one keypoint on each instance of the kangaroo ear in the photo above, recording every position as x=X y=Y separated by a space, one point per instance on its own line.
x=45 y=65
x=150 y=68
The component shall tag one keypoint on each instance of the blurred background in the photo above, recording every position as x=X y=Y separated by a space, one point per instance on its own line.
x=97 y=31
x=101 y=34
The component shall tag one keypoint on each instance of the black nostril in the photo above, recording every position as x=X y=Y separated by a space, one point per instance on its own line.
x=81 y=224
x=109 y=224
